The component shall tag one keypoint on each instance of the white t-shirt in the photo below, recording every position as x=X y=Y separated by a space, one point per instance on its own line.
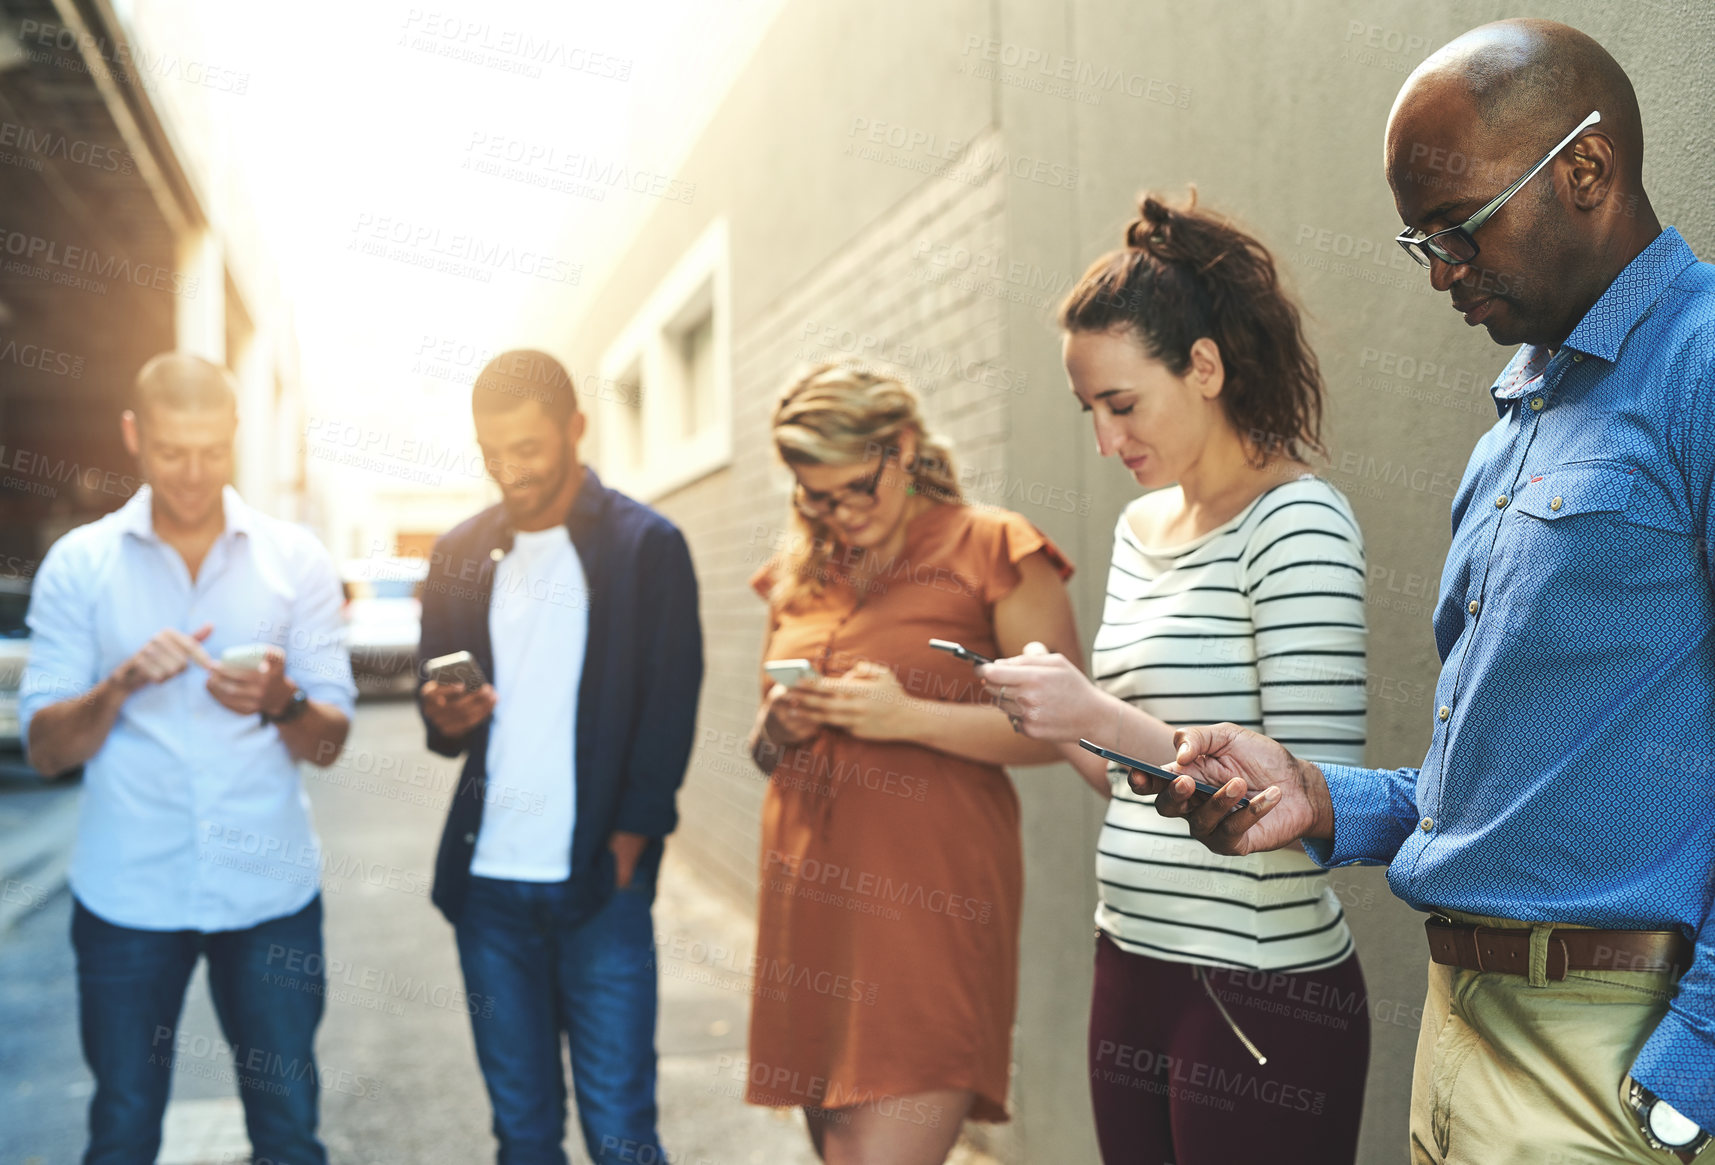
x=538 y=621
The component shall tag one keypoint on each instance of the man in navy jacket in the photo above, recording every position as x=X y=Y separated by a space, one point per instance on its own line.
x=580 y=605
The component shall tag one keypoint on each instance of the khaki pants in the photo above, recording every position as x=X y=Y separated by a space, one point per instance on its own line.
x=1511 y=1074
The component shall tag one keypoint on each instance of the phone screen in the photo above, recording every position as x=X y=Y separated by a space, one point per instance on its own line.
x=959 y=650
x=788 y=673
x=1131 y=762
x=459 y=668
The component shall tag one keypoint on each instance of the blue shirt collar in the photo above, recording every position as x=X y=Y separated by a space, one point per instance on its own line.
x=1610 y=319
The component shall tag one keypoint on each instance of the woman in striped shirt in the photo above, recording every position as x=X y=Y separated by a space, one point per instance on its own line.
x=1230 y=1020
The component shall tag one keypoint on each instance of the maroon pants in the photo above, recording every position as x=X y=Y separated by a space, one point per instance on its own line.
x=1173 y=1085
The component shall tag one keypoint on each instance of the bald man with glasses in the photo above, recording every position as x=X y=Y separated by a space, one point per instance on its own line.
x=1560 y=833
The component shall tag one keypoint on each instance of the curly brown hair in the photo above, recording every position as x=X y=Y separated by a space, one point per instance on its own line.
x=1185 y=274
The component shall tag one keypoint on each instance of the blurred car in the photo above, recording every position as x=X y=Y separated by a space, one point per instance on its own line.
x=384 y=617
x=14 y=654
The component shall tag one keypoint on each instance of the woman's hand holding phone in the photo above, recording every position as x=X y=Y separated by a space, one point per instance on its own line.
x=1046 y=694
x=868 y=701
x=785 y=722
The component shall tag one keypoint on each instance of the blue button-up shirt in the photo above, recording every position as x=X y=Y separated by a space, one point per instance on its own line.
x=1571 y=776
x=193 y=817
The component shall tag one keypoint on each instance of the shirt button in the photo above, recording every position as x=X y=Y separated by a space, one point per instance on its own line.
x=1428 y=823
x=470 y=839
x=496 y=554
x=1444 y=712
x=1473 y=606
x=1501 y=502
x=1555 y=503
x=1536 y=404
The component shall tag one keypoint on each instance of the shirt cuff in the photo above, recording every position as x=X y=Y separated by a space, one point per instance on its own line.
x=40 y=690
x=328 y=691
x=1678 y=1065
x=1367 y=826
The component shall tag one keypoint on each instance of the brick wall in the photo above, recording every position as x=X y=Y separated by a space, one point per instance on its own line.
x=876 y=300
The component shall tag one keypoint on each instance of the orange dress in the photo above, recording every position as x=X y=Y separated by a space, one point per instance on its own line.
x=893 y=874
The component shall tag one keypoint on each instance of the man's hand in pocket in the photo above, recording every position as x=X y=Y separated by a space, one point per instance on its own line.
x=627 y=848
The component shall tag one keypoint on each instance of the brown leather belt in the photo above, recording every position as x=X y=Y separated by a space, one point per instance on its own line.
x=1488 y=948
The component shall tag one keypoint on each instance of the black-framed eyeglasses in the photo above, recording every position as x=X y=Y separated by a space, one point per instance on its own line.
x=860 y=495
x=1455 y=244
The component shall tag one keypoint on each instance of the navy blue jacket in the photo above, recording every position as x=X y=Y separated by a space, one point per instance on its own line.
x=637 y=701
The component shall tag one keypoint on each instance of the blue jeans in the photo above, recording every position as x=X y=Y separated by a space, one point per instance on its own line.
x=532 y=970
x=131 y=989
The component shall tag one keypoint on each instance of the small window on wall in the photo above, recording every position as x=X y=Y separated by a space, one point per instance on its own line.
x=695 y=352
x=669 y=420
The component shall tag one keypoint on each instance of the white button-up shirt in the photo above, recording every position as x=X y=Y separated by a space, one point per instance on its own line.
x=193 y=817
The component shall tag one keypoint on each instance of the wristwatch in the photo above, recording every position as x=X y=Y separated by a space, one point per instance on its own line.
x=293 y=709
x=1664 y=1126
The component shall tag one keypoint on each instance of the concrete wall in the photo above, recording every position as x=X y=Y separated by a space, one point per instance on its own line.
x=1276 y=111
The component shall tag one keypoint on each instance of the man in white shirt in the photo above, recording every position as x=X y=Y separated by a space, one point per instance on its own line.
x=194 y=834
x=581 y=603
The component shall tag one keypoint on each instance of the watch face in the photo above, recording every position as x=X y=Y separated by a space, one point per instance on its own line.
x=297 y=703
x=1670 y=1126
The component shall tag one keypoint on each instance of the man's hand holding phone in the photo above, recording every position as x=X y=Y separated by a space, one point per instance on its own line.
x=453 y=710
x=247 y=690
x=1289 y=798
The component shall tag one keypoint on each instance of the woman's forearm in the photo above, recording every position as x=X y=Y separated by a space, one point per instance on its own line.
x=1117 y=725
x=979 y=732
x=1089 y=766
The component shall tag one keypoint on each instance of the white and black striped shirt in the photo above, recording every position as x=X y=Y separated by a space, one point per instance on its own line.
x=1260 y=622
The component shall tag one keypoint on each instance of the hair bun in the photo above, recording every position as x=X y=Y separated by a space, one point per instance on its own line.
x=1154 y=223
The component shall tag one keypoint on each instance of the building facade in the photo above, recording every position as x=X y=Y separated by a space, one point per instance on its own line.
x=914 y=187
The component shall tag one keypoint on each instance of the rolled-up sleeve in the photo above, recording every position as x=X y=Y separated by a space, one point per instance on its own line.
x=318 y=658
x=64 y=653
x=1375 y=810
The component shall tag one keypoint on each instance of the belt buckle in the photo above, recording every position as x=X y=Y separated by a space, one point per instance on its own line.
x=1450 y=938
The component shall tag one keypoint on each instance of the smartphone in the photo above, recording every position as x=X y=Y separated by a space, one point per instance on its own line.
x=1131 y=762
x=959 y=650
x=788 y=673
x=458 y=668
x=245 y=656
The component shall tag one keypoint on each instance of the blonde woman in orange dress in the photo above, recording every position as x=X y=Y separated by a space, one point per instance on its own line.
x=892 y=869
